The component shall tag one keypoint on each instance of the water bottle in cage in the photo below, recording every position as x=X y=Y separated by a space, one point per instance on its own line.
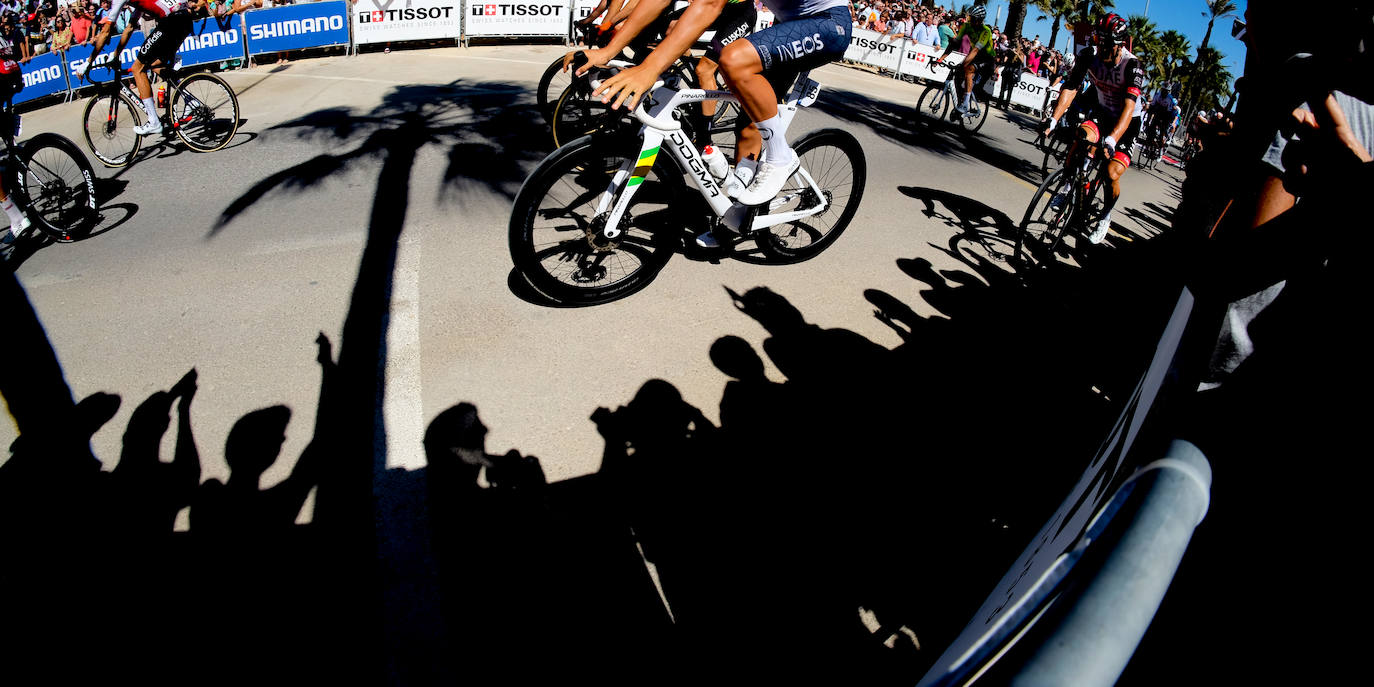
x=715 y=162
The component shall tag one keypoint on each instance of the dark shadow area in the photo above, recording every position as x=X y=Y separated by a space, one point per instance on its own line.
x=111 y=217
x=840 y=525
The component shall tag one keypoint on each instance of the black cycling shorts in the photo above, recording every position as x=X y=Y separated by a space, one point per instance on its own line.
x=790 y=47
x=163 y=42
x=1101 y=121
x=736 y=21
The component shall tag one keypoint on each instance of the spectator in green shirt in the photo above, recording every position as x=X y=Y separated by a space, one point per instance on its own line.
x=946 y=33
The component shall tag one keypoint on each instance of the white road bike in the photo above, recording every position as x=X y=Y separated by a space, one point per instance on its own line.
x=600 y=216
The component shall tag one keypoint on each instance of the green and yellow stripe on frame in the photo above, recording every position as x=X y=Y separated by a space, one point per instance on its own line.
x=646 y=163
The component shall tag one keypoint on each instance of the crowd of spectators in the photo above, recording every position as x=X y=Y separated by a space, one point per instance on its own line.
x=936 y=26
x=37 y=27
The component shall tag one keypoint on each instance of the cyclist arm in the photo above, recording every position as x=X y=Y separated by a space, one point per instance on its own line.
x=102 y=37
x=124 y=36
x=621 y=14
x=628 y=86
x=643 y=15
x=591 y=17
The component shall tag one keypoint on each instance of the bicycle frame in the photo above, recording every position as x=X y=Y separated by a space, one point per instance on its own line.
x=655 y=113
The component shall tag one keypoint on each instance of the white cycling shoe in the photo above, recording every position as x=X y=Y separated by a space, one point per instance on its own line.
x=152 y=127
x=16 y=231
x=1101 y=231
x=768 y=181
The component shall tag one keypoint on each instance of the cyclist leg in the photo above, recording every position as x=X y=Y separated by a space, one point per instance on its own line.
x=159 y=48
x=795 y=45
x=1115 y=169
x=735 y=22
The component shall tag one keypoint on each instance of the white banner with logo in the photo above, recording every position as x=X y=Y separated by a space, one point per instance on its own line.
x=901 y=56
x=517 y=18
x=764 y=21
x=582 y=8
x=383 y=21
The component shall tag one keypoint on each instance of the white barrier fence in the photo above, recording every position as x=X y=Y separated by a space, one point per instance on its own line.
x=363 y=22
x=901 y=56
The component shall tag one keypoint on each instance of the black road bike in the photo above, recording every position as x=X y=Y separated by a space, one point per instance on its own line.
x=1070 y=202
x=50 y=180
x=200 y=109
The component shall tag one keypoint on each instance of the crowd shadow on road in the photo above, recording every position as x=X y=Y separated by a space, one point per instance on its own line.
x=840 y=524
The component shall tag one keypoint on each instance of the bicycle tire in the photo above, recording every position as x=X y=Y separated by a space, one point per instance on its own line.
x=1038 y=237
x=553 y=78
x=1055 y=150
x=554 y=236
x=821 y=152
x=205 y=112
x=110 y=136
x=58 y=185
x=933 y=104
x=577 y=114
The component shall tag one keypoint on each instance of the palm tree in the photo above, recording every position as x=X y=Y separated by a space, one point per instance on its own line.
x=1173 y=54
x=1210 y=80
x=1216 y=9
x=1059 y=10
x=1145 y=38
x=1016 y=17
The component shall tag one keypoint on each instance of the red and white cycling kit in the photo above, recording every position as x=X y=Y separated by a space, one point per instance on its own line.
x=154 y=9
x=1114 y=84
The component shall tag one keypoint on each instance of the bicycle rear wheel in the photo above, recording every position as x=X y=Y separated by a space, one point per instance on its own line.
x=933 y=103
x=578 y=114
x=58 y=183
x=557 y=238
x=551 y=86
x=108 y=123
x=1043 y=226
x=204 y=112
x=973 y=121
x=836 y=162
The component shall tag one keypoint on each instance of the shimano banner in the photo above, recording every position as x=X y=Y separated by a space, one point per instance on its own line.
x=517 y=18
x=382 y=21
x=292 y=27
x=208 y=42
x=43 y=75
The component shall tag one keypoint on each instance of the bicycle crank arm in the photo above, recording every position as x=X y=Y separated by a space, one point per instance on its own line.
x=772 y=220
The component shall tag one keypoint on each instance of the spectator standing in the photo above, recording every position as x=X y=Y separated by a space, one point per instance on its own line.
x=1033 y=61
x=9 y=28
x=61 y=35
x=946 y=32
x=928 y=33
x=81 y=23
x=1013 y=61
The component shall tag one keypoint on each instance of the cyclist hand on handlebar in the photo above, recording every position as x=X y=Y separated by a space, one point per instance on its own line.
x=629 y=84
x=596 y=57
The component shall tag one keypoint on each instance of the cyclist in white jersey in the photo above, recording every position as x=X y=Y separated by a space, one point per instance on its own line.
x=173 y=26
x=807 y=34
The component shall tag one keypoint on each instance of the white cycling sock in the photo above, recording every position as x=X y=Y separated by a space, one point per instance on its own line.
x=772 y=130
x=150 y=107
x=11 y=209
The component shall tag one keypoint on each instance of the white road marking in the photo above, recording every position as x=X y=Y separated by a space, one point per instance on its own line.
x=401 y=404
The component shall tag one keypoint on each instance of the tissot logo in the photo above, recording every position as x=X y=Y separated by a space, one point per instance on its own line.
x=377 y=16
x=521 y=10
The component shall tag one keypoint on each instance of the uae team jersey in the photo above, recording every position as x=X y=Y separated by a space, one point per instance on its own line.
x=1113 y=83
x=787 y=10
x=156 y=9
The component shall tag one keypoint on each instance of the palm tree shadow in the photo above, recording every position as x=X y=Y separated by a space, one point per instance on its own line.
x=486 y=127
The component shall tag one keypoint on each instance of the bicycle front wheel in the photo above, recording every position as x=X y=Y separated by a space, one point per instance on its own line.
x=59 y=184
x=835 y=161
x=204 y=112
x=1046 y=219
x=108 y=124
x=933 y=103
x=557 y=237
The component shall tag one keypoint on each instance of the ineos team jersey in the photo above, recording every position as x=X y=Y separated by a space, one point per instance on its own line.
x=156 y=9
x=787 y=10
x=1115 y=83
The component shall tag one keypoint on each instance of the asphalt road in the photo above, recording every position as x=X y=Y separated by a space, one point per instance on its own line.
x=232 y=262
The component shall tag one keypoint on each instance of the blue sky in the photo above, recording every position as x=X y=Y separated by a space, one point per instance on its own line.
x=1183 y=16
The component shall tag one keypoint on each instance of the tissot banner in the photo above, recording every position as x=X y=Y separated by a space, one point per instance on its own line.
x=381 y=21
x=521 y=18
